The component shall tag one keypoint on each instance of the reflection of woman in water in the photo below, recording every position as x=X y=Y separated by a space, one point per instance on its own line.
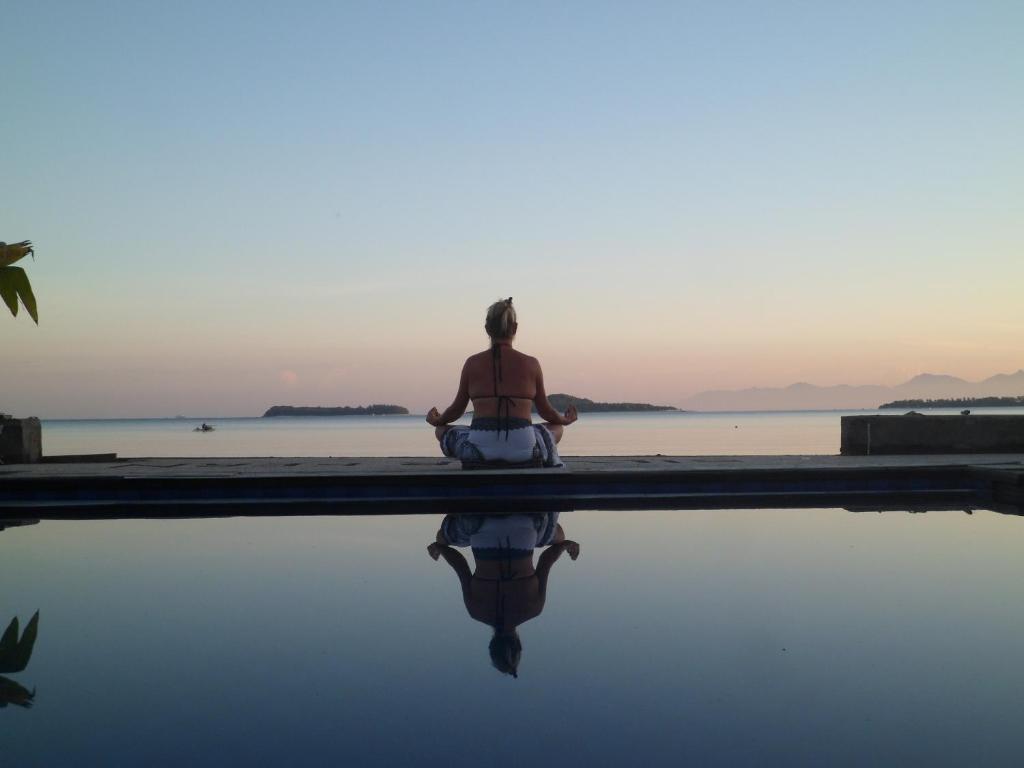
x=506 y=589
x=504 y=385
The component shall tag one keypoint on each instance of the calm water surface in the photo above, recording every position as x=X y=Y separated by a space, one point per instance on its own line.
x=748 y=637
x=794 y=432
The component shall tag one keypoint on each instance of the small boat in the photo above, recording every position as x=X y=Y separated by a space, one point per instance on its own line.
x=204 y=428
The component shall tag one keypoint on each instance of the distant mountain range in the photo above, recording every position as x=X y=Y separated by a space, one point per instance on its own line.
x=803 y=396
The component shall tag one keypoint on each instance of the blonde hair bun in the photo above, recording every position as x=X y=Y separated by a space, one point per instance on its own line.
x=501 y=319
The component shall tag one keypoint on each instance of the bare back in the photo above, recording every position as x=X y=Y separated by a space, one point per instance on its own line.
x=517 y=376
x=504 y=603
x=505 y=385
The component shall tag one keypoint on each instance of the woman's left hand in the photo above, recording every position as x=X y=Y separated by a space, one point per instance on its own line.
x=434 y=417
x=570 y=415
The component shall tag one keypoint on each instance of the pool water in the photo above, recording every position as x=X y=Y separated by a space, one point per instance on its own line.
x=727 y=637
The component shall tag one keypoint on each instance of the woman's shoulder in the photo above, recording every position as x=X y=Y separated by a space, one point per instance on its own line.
x=530 y=360
x=523 y=356
x=482 y=358
x=477 y=358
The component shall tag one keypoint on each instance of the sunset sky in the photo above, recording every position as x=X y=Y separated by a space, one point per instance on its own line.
x=240 y=204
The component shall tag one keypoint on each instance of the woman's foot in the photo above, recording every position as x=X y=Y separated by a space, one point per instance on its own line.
x=555 y=430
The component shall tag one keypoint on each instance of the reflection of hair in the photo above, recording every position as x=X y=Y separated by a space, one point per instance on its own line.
x=501 y=319
x=506 y=650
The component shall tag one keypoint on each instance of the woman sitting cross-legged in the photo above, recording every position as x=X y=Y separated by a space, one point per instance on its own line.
x=503 y=384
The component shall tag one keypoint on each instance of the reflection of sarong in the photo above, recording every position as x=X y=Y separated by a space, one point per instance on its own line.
x=487 y=439
x=494 y=538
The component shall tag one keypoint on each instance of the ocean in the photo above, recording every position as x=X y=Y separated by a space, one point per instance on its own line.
x=610 y=434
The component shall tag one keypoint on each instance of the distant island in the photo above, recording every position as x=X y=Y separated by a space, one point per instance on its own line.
x=344 y=410
x=958 y=402
x=561 y=401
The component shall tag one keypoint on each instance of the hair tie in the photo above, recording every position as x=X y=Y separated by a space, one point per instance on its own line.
x=509 y=301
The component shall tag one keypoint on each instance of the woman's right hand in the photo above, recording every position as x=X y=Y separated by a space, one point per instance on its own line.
x=572 y=547
x=570 y=416
x=434 y=417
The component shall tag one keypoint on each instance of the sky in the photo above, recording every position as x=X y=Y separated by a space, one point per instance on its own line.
x=237 y=205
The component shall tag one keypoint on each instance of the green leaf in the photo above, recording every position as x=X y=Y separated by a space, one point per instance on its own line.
x=27 y=297
x=26 y=644
x=11 y=252
x=14 y=285
x=14 y=653
x=10 y=637
x=7 y=290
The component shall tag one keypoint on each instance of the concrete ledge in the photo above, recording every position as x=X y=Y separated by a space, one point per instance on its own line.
x=926 y=434
x=168 y=488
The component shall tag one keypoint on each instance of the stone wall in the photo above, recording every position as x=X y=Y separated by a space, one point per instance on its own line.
x=21 y=440
x=910 y=434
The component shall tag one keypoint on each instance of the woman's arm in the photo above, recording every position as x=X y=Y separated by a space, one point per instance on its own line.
x=546 y=410
x=548 y=558
x=455 y=559
x=458 y=406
